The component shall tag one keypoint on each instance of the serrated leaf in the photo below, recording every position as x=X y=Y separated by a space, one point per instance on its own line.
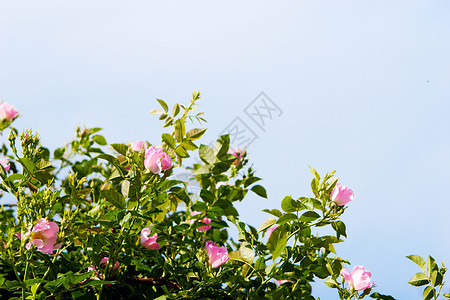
x=27 y=164
x=195 y=133
x=114 y=197
x=340 y=228
x=428 y=293
x=418 y=261
x=309 y=216
x=188 y=145
x=222 y=145
x=288 y=204
x=206 y=154
x=286 y=218
x=163 y=105
x=99 y=139
x=179 y=130
x=14 y=177
x=277 y=242
x=42 y=164
x=331 y=283
x=259 y=190
x=419 y=279
x=169 y=140
x=379 y=296
x=247 y=253
x=175 y=110
x=156 y=112
x=59 y=152
x=432 y=266
x=266 y=224
x=180 y=151
x=275 y=212
x=316 y=174
x=120 y=148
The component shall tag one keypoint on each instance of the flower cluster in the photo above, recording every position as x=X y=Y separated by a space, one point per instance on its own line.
x=204 y=220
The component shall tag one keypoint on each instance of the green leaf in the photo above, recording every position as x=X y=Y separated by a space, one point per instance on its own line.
x=206 y=154
x=175 y=110
x=247 y=252
x=259 y=190
x=379 y=296
x=331 y=283
x=163 y=105
x=277 y=242
x=340 y=228
x=114 y=197
x=315 y=187
x=27 y=164
x=309 y=216
x=436 y=278
x=447 y=295
x=222 y=145
x=112 y=160
x=180 y=151
x=195 y=134
x=432 y=266
x=288 y=204
x=188 y=145
x=169 y=140
x=14 y=177
x=59 y=152
x=286 y=218
x=419 y=279
x=99 y=139
x=316 y=174
x=120 y=148
x=274 y=212
x=260 y=264
x=266 y=224
x=179 y=130
x=428 y=293
x=42 y=164
x=418 y=261
x=156 y=112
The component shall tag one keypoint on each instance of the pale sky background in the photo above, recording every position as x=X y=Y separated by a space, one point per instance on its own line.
x=364 y=87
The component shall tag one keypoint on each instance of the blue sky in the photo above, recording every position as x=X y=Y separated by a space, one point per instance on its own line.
x=364 y=87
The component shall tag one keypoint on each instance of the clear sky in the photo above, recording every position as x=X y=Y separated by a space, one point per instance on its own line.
x=363 y=87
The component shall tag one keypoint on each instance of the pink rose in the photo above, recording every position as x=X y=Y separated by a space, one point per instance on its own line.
x=358 y=279
x=138 y=145
x=237 y=153
x=149 y=242
x=341 y=195
x=156 y=160
x=280 y=282
x=217 y=255
x=4 y=164
x=104 y=262
x=7 y=112
x=203 y=220
x=271 y=229
x=43 y=236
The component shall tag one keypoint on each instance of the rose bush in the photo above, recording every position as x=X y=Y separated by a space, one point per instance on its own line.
x=111 y=221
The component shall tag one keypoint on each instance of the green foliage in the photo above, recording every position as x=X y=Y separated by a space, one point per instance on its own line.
x=432 y=277
x=101 y=196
